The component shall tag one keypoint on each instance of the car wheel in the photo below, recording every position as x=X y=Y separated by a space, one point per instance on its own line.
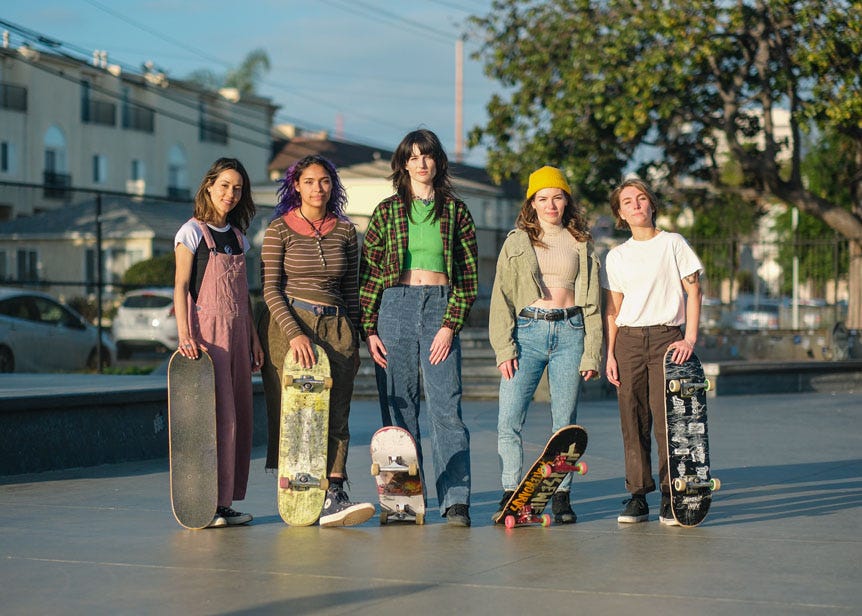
x=7 y=360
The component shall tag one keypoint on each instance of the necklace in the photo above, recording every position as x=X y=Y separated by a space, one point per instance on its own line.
x=317 y=235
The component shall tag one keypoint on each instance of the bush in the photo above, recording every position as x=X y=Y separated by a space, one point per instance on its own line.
x=155 y=272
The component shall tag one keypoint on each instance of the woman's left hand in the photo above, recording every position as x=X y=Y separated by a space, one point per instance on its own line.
x=441 y=345
x=256 y=355
x=682 y=350
x=589 y=374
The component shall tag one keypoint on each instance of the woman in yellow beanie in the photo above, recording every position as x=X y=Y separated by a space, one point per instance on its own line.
x=544 y=313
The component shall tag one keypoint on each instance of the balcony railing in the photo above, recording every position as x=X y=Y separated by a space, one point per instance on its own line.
x=138 y=117
x=13 y=97
x=99 y=112
x=57 y=185
x=213 y=132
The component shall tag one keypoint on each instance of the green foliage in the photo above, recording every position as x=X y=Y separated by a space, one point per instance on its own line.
x=244 y=77
x=155 y=272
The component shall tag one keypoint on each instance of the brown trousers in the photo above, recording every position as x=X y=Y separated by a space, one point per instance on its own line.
x=640 y=355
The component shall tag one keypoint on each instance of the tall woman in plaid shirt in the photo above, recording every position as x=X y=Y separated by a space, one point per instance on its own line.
x=418 y=279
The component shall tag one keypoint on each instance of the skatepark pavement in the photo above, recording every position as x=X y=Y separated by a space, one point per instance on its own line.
x=783 y=535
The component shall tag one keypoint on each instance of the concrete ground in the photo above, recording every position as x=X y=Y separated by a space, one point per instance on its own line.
x=783 y=536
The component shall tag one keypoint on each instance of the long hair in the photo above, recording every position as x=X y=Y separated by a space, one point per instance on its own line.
x=290 y=199
x=430 y=145
x=242 y=214
x=644 y=188
x=573 y=221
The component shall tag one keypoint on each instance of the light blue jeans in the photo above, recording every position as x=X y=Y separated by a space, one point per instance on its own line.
x=557 y=345
x=409 y=318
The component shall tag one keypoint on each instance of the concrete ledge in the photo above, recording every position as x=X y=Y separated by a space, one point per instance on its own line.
x=761 y=377
x=73 y=420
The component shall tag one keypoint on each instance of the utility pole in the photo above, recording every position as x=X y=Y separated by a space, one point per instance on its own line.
x=459 y=100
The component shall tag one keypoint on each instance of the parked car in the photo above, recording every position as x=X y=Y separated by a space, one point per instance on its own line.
x=40 y=334
x=752 y=317
x=146 y=320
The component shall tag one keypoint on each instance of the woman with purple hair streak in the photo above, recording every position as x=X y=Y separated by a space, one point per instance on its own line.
x=310 y=265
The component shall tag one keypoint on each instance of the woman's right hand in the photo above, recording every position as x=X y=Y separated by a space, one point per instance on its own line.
x=508 y=368
x=303 y=351
x=612 y=371
x=377 y=350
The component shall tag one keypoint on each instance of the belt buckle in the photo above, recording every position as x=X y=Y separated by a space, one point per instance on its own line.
x=318 y=311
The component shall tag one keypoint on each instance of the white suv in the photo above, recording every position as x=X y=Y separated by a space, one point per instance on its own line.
x=146 y=319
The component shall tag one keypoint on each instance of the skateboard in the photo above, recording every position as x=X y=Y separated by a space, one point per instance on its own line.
x=303 y=439
x=395 y=467
x=560 y=457
x=691 y=486
x=192 y=440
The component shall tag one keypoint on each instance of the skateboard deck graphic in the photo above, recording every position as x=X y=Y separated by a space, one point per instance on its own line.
x=303 y=439
x=192 y=440
x=395 y=467
x=560 y=457
x=691 y=485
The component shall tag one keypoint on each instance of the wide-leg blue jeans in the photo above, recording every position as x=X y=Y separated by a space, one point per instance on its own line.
x=409 y=318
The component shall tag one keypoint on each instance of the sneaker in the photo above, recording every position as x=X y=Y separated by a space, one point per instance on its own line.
x=458 y=515
x=233 y=518
x=562 y=509
x=507 y=494
x=636 y=510
x=665 y=515
x=339 y=511
x=218 y=522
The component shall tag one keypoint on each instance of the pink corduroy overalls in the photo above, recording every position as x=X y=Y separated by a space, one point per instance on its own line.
x=220 y=320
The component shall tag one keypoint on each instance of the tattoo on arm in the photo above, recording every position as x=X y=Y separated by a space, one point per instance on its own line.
x=692 y=278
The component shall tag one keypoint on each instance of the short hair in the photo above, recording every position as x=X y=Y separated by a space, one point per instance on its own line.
x=644 y=188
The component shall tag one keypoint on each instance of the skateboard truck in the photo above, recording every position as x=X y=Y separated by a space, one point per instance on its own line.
x=681 y=484
x=525 y=515
x=302 y=481
x=687 y=388
x=561 y=465
x=395 y=465
x=307 y=383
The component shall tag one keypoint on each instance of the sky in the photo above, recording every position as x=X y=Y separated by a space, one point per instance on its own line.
x=367 y=71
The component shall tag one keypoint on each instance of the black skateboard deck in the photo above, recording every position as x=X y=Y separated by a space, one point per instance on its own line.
x=560 y=457
x=691 y=484
x=192 y=440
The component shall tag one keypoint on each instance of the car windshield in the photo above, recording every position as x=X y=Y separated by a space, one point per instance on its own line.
x=147 y=301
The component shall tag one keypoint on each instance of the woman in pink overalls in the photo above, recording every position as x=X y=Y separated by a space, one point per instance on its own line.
x=213 y=312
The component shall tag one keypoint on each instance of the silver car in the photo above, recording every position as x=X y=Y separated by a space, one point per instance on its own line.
x=40 y=334
x=146 y=319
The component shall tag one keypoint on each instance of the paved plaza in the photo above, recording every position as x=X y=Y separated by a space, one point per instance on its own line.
x=783 y=536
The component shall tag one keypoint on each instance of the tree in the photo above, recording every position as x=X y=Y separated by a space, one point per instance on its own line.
x=244 y=77
x=155 y=272
x=679 y=89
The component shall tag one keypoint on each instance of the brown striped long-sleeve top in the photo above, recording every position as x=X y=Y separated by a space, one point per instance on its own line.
x=293 y=267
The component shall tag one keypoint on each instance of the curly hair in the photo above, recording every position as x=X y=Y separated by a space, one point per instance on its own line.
x=290 y=199
x=574 y=221
x=241 y=215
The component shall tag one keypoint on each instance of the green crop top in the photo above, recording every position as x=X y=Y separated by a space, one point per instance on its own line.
x=424 y=242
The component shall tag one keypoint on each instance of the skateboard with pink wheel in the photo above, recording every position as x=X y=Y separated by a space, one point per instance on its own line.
x=691 y=485
x=560 y=457
x=395 y=467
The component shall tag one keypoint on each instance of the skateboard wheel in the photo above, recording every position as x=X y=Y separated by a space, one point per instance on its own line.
x=582 y=468
x=509 y=521
x=714 y=484
x=288 y=380
x=327 y=382
x=324 y=484
x=384 y=518
x=546 y=519
x=679 y=484
x=284 y=483
x=413 y=470
x=708 y=384
x=673 y=386
x=420 y=519
x=375 y=469
x=547 y=470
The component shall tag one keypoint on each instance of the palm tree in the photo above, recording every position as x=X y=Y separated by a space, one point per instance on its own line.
x=244 y=77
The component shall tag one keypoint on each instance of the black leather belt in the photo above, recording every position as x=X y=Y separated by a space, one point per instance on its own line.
x=320 y=310
x=549 y=314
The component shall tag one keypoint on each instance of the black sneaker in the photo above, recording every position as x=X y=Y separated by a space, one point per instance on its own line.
x=665 y=515
x=562 y=509
x=507 y=494
x=636 y=510
x=233 y=518
x=458 y=515
x=339 y=511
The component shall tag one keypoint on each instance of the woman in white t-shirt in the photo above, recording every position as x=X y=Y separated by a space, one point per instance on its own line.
x=652 y=284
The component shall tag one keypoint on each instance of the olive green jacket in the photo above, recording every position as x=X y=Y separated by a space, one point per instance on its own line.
x=516 y=286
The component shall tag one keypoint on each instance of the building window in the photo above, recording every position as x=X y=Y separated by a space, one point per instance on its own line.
x=7 y=157
x=137 y=170
x=178 y=175
x=4 y=265
x=100 y=169
x=94 y=111
x=28 y=266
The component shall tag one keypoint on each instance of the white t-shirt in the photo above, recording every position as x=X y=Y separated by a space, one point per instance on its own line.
x=649 y=274
x=190 y=235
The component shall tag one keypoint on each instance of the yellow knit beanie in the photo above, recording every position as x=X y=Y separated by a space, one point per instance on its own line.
x=547 y=177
